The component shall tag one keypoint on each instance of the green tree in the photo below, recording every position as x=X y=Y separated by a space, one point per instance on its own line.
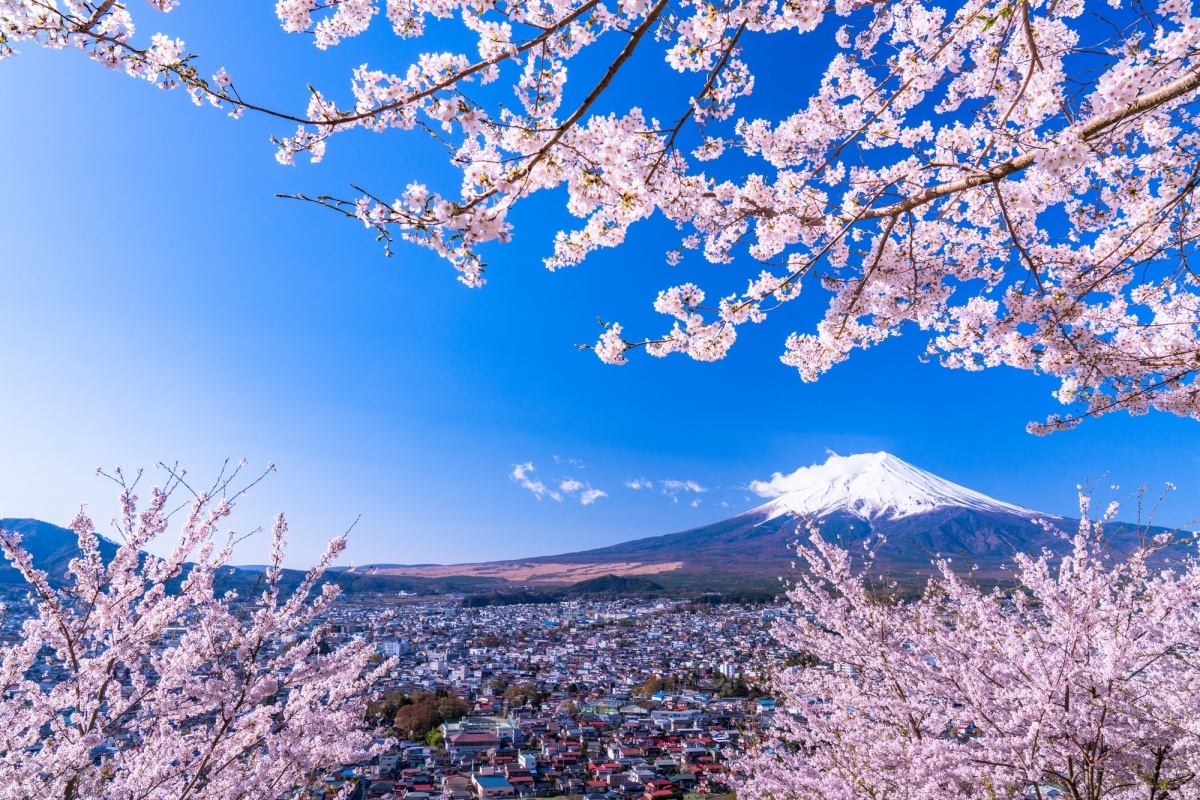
x=800 y=660
x=453 y=707
x=416 y=720
x=386 y=708
x=525 y=693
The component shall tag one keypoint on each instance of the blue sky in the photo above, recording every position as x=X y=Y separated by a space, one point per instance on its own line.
x=157 y=302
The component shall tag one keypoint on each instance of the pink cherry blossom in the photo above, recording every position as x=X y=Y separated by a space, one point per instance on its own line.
x=1014 y=181
x=162 y=685
x=1079 y=679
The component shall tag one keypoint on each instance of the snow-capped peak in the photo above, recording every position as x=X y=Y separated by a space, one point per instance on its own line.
x=869 y=486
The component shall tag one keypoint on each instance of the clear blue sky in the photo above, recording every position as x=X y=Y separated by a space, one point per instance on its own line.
x=158 y=302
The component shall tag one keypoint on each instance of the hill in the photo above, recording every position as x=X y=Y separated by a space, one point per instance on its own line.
x=52 y=548
x=607 y=587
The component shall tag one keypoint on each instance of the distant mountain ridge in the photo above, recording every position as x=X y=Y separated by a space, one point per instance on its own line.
x=53 y=546
x=921 y=516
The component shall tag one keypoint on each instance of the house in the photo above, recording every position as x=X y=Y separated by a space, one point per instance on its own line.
x=466 y=742
x=456 y=787
x=488 y=784
x=521 y=779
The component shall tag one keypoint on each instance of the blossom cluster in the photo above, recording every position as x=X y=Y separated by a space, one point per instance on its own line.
x=161 y=686
x=1012 y=179
x=1078 y=677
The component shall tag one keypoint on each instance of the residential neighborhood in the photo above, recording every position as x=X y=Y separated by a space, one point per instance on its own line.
x=605 y=699
x=617 y=699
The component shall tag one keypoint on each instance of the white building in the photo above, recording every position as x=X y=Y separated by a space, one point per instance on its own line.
x=394 y=647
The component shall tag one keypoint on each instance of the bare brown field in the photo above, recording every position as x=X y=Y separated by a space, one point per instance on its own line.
x=541 y=572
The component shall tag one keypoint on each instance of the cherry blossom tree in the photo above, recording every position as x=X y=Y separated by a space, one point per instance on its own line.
x=1015 y=178
x=1081 y=682
x=140 y=679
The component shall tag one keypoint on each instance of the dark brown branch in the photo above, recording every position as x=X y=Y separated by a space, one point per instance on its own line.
x=708 y=85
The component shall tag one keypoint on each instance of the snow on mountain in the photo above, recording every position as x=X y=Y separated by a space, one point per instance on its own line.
x=871 y=486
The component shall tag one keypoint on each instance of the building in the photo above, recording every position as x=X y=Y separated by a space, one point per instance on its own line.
x=394 y=647
x=488 y=784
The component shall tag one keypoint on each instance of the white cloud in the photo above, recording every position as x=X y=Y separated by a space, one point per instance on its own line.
x=779 y=484
x=671 y=487
x=696 y=503
x=574 y=462
x=522 y=475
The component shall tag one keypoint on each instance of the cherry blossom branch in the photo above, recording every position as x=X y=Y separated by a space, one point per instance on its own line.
x=1040 y=165
x=189 y=719
x=1087 y=132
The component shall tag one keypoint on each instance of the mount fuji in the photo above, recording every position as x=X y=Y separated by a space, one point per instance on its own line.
x=919 y=514
x=872 y=487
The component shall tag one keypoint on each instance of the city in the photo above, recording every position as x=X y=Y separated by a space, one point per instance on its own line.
x=621 y=699
x=618 y=699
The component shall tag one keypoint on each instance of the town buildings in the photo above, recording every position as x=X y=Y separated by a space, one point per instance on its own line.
x=602 y=699
x=607 y=700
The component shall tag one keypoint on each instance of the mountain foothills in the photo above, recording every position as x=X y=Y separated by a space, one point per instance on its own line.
x=52 y=548
x=909 y=516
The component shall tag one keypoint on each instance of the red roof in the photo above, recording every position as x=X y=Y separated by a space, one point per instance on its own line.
x=474 y=738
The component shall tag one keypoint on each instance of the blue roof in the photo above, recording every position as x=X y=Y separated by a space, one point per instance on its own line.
x=492 y=782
